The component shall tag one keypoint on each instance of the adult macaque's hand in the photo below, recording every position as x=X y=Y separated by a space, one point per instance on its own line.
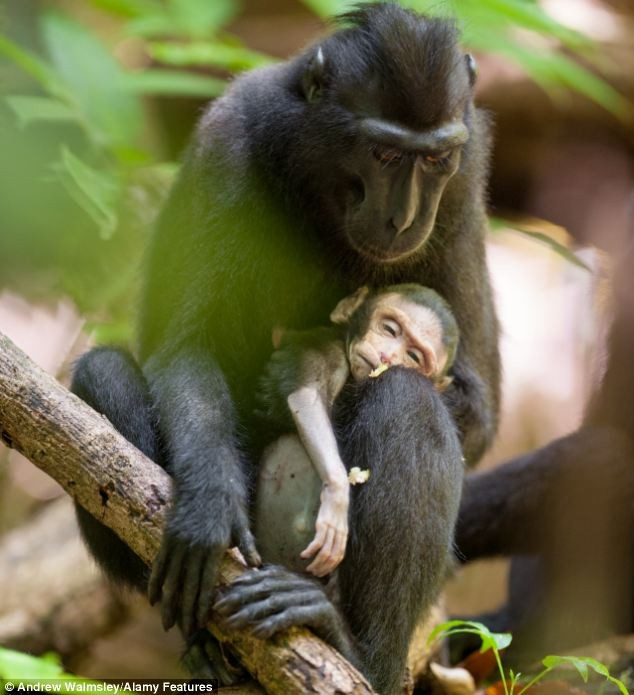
x=329 y=544
x=184 y=573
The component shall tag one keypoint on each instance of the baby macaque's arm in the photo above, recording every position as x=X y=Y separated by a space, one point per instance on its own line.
x=310 y=413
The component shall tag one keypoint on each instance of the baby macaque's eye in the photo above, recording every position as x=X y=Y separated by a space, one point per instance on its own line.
x=391 y=327
x=416 y=356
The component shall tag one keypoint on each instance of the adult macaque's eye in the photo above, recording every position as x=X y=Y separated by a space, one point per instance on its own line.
x=386 y=155
x=437 y=158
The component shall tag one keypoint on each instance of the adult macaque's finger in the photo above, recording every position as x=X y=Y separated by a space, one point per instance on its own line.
x=246 y=545
x=169 y=602
x=208 y=585
x=190 y=591
x=159 y=570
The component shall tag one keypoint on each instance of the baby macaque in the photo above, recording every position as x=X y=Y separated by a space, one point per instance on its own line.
x=303 y=485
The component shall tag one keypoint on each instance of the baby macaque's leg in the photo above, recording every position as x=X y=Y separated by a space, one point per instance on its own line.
x=287 y=502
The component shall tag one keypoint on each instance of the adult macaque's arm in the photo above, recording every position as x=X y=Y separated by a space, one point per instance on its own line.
x=310 y=413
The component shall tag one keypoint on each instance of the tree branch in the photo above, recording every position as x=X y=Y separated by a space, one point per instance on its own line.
x=127 y=492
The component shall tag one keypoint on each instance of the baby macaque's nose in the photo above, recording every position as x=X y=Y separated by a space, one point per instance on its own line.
x=385 y=359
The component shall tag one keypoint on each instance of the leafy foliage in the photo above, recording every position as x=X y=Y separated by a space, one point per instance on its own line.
x=497 y=641
x=77 y=136
x=18 y=666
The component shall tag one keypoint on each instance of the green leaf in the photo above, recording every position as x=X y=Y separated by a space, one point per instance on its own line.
x=35 y=67
x=582 y=663
x=520 y=13
x=15 y=665
x=114 y=333
x=491 y=27
x=209 y=53
x=97 y=192
x=551 y=69
x=31 y=109
x=158 y=24
x=498 y=224
x=329 y=8
x=501 y=640
x=127 y=8
x=490 y=640
x=579 y=663
x=94 y=78
x=173 y=83
x=202 y=18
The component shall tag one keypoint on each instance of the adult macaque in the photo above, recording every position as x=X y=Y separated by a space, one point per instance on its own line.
x=303 y=484
x=363 y=160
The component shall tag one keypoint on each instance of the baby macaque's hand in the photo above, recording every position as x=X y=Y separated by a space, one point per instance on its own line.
x=331 y=531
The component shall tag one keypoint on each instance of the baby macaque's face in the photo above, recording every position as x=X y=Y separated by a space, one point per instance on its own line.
x=399 y=332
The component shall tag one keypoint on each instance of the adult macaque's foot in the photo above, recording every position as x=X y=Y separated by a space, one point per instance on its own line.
x=273 y=599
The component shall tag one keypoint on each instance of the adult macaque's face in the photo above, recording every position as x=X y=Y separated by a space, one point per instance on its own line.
x=399 y=332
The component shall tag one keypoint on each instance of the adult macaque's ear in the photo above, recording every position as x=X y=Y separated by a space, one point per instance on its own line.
x=472 y=68
x=314 y=77
x=443 y=383
x=347 y=306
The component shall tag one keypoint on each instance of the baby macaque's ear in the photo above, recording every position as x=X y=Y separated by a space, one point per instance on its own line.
x=343 y=311
x=443 y=383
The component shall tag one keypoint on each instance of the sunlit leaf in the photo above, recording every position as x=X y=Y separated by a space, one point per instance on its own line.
x=213 y=53
x=97 y=192
x=526 y=15
x=14 y=665
x=31 y=109
x=94 y=77
x=128 y=8
x=202 y=18
x=173 y=83
x=114 y=333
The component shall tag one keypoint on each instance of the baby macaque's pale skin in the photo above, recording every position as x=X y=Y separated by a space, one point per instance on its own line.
x=398 y=331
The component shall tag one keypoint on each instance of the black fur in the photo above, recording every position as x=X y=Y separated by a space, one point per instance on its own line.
x=255 y=235
x=565 y=514
x=110 y=381
x=397 y=427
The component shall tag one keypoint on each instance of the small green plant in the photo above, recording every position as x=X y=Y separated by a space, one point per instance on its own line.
x=17 y=666
x=496 y=641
